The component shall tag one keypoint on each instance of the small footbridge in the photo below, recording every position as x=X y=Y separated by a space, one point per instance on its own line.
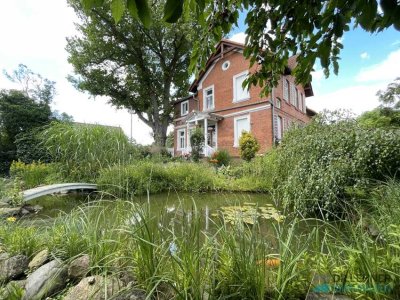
x=56 y=188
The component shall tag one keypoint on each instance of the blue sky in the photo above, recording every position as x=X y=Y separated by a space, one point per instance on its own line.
x=33 y=32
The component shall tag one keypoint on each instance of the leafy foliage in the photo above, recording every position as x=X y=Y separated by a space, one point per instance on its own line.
x=83 y=149
x=33 y=174
x=317 y=164
x=248 y=146
x=222 y=157
x=197 y=143
x=141 y=68
x=310 y=29
x=19 y=114
x=33 y=85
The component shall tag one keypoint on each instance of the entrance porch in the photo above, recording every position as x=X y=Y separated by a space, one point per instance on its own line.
x=208 y=122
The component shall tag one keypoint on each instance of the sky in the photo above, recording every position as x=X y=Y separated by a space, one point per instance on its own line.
x=33 y=32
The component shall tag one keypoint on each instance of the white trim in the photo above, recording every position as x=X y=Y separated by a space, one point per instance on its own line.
x=179 y=139
x=235 y=133
x=187 y=111
x=211 y=87
x=180 y=126
x=258 y=108
x=200 y=85
x=234 y=86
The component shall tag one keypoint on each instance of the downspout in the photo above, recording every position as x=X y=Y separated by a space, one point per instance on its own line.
x=271 y=101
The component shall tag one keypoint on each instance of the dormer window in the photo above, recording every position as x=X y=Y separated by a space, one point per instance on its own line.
x=208 y=96
x=184 y=108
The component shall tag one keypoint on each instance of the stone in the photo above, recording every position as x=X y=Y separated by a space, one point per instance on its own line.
x=24 y=212
x=6 y=212
x=321 y=296
x=79 y=267
x=94 y=288
x=46 y=280
x=39 y=260
x=13 y=267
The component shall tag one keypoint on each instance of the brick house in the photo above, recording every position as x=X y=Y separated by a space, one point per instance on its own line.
x=223 y=109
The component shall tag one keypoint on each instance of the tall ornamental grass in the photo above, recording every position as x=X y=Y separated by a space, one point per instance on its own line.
x=82 y=149
x=174 y=256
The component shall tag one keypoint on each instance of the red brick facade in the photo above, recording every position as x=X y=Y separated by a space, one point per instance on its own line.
x=255 y=112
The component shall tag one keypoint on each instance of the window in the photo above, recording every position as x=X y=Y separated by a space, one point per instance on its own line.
x=184 y=108
x=304 y=103
x=208 y=96
x=285 y=89
x=241 y=124
x=181 y=139
x=279 y=124
x=300 y=101
x=225 y=65
x=278 y=103
x=240 y=93
x=295 y=96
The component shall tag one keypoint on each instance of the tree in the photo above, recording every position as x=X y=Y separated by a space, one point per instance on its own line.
x=139 y=68
x=18 y=114
x=277 y=29
x=388 y=113
x=33 y=85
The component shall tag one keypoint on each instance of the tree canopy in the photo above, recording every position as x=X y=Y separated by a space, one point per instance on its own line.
x=140 y=68
x=388 y=113
x=276 y=29
x=22 y=113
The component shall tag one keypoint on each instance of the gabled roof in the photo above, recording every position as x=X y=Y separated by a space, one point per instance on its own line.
x=226 y=46
x=223 y=47
x=196 y=115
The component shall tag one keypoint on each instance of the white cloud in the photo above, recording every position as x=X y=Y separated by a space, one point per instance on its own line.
x=34 y=33
x=358 y=98
x=386 y=70
x=364 y=55
x=239 y=37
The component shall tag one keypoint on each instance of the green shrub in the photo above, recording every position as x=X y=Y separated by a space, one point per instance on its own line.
x=197 y=143
x=222 y=157
x=139 y=178
x=33 y=174
x=82 y=150
x=318 y=163
x=248 y=146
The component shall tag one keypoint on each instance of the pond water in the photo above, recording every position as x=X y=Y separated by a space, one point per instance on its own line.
x=246 y=206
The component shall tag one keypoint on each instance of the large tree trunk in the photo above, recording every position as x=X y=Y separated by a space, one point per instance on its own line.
x=160 y=134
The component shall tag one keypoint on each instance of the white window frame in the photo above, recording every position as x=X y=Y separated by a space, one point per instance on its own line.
x=303 y=98
x=296 y=98
x=211 y=87
x=300 y=101
x=286 y=92
x=184 y=113
x=291 y=93
x=278 y=103
x=178 y=146
x=244 y=73
x=236 y=135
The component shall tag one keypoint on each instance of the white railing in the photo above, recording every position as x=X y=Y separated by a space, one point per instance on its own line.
x=208 y=151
